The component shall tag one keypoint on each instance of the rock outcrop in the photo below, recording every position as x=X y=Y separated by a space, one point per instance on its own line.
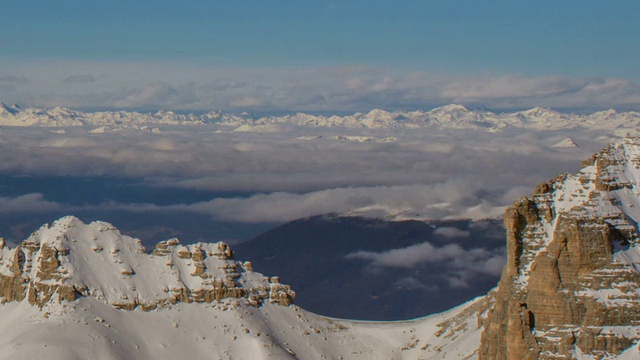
x=571 y=285
x=70 y=259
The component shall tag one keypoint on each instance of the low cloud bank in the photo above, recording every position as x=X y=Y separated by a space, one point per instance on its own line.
x=34 y=202
x=425 y=174
x=459 y=265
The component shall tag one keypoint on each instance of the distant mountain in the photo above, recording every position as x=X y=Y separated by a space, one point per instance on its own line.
x=449 y=116
x=315 y=253
x=566 y=143
x=9 y=110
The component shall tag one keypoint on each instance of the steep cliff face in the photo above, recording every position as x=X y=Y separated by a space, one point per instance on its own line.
x=571 y=285
x=69 y=259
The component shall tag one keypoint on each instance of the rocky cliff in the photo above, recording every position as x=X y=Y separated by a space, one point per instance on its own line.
x=571 y=285
x=69 y=259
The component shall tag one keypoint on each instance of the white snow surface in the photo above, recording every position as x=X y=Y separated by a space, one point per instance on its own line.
x=114 y=268
x=91 y=327
x=449 y=116
x=566 y=143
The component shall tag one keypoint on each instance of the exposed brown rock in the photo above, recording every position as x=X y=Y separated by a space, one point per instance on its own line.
x=560 y=259
x=184 y=254
x=198 y=254
x=38 y=271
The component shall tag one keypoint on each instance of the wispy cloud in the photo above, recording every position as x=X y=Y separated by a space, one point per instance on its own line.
x=424 y=174
x=34 y=202
x=12 y=82
x=459 y=265
x=451 y=232
x=79 y=79
x=194 y=87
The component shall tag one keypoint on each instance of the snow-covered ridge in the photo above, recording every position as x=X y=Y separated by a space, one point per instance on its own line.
x=449 y=116
x=68 y=260
x=63 y=290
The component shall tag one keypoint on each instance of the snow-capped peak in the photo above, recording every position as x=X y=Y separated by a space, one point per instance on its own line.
x=70 y=259
x=538 y=112
x=449 y=116
x=566 y=143
x=9 y=110
x=450 y=108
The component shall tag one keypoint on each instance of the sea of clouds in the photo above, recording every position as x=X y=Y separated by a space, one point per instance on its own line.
x=424 y=174
x=240 y=184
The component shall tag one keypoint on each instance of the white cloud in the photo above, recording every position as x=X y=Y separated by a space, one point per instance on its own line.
x=452 y=199
x=459 y=265
x=33 y=202
x=411 y=283
x=247 y=102
x=189 y=86
x=488 y=87
x=12 y=80
x=425 y=174
x=79 y=79
x=410 y=256
x=451 y=232
x=11 y=83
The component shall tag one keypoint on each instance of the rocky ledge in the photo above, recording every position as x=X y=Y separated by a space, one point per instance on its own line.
x=69 y=259
x=571 y=285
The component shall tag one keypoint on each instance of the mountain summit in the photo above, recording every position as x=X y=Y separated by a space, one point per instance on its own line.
x=68 y=260
x=571 y=285
x=78 y=291
x=448 y=117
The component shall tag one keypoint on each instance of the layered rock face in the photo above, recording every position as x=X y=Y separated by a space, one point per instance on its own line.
x=70 y=259
x=571 y=285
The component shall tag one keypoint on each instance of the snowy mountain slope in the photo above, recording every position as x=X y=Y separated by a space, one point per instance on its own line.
x=69 y=259
x=449 y=116
x=82 y=291
x=90 y=329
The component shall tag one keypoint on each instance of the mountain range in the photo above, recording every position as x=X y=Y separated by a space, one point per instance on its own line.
x=449 y=116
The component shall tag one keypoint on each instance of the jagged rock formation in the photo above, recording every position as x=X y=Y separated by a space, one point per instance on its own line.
x=571 y=285
x=70 y=259
x=64 y=289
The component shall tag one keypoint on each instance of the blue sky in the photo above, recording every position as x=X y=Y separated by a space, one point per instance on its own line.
x=437 y=43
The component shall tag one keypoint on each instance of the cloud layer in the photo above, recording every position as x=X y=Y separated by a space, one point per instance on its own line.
x=34 y=202
x=461 y=265
x=277 y=177
x=201 y=87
